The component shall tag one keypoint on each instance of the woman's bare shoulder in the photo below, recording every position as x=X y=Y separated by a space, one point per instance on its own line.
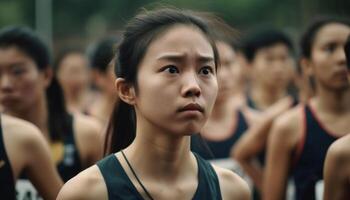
x=232 y=186
x=88 y=184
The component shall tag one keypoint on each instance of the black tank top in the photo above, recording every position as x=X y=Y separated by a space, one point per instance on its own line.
x=219 y=149
x=308 y=168
x=68 y=167
x=7 y=185
x=120 y=187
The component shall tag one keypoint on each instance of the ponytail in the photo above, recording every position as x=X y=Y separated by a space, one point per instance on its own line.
x=59 y=119
x=121 y=129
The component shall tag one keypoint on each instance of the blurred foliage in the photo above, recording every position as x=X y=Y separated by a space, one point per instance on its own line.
x=79 y=21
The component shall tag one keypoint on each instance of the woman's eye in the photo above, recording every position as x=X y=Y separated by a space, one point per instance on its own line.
x=330 y=48
x=171 y=69
x=206 y=71
x=17 y=70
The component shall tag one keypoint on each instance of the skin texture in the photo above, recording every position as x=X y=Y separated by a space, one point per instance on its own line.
x=337 y=170
x=276 y=64
x=330 y=105
x=22 y=94
x=254 y=141
x=177 y=69
x=73 y=74
x=28 y=151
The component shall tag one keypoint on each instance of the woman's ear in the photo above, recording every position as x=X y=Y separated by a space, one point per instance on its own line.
x=125 y=91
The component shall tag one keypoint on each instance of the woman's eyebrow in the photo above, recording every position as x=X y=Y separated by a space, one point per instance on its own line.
x=181 y=56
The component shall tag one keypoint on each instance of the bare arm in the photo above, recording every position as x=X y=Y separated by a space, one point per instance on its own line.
x=336 y=170
x=40 y=167
x=254 y=141
x=282 y=140
x=87 y=185
x=249 y=146
x=232 y=186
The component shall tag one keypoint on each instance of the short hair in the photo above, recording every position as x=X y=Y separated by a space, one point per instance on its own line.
x=102 y=54
x=308 y=38
x=28 y=42
x=263 y=38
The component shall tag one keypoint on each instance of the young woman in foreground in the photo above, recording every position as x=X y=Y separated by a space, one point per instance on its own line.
x=166 y=65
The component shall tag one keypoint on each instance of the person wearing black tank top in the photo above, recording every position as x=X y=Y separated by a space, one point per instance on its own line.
x=166 y=68
x=29 y=91
x=300 y=138
x=23 y=148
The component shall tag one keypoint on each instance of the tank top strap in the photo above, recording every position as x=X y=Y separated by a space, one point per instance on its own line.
x=7 y=188
x=119 y=186
x=208 y=185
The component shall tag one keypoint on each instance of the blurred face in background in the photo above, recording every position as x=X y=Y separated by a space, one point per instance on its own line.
x=73 y=73
x=273 y=67
x=21 y=83
x=328 y=61
x=229 y=73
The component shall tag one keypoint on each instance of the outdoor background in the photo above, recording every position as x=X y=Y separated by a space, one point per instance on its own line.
x=82 y=22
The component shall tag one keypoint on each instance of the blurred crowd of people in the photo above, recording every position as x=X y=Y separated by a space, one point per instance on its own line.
x=279 y=109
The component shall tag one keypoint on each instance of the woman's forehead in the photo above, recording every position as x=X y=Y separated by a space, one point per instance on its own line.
x=181 y=39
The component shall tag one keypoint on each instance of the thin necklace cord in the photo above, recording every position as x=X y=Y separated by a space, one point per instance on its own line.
x=137 y=178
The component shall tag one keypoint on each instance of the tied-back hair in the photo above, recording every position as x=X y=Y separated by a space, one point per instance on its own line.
x=308 y=38
x=25 y=40
x=137 y=37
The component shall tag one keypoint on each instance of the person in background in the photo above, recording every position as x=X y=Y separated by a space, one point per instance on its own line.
x=268 y=55
x=23 y=148
x=30 y=91
x=73 y=74
x=300 y=138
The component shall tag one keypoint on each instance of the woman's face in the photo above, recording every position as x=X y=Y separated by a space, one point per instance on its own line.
x=273 y=66
x=73 y=73
x=328 y=62
x=21 y=83
x=176 y=82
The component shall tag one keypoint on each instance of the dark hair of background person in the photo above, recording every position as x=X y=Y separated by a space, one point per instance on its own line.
x=262 y=38
x=29 y=43
x=308 y=38
x=347 y=52
x=102 y=53
x=139 y=34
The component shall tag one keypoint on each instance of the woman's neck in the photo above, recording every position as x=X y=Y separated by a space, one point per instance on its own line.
x=161 y=156
x=333 y=101
x=264 y=97
x=36 y=114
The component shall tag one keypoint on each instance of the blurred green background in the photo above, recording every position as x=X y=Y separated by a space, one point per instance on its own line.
x=80 y=22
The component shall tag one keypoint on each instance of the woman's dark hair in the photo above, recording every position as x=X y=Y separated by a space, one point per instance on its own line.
x=29 y=43
x=347 y=52
x=308 y=38
x=262 y=38
x=102 y=54
x=137 y=37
